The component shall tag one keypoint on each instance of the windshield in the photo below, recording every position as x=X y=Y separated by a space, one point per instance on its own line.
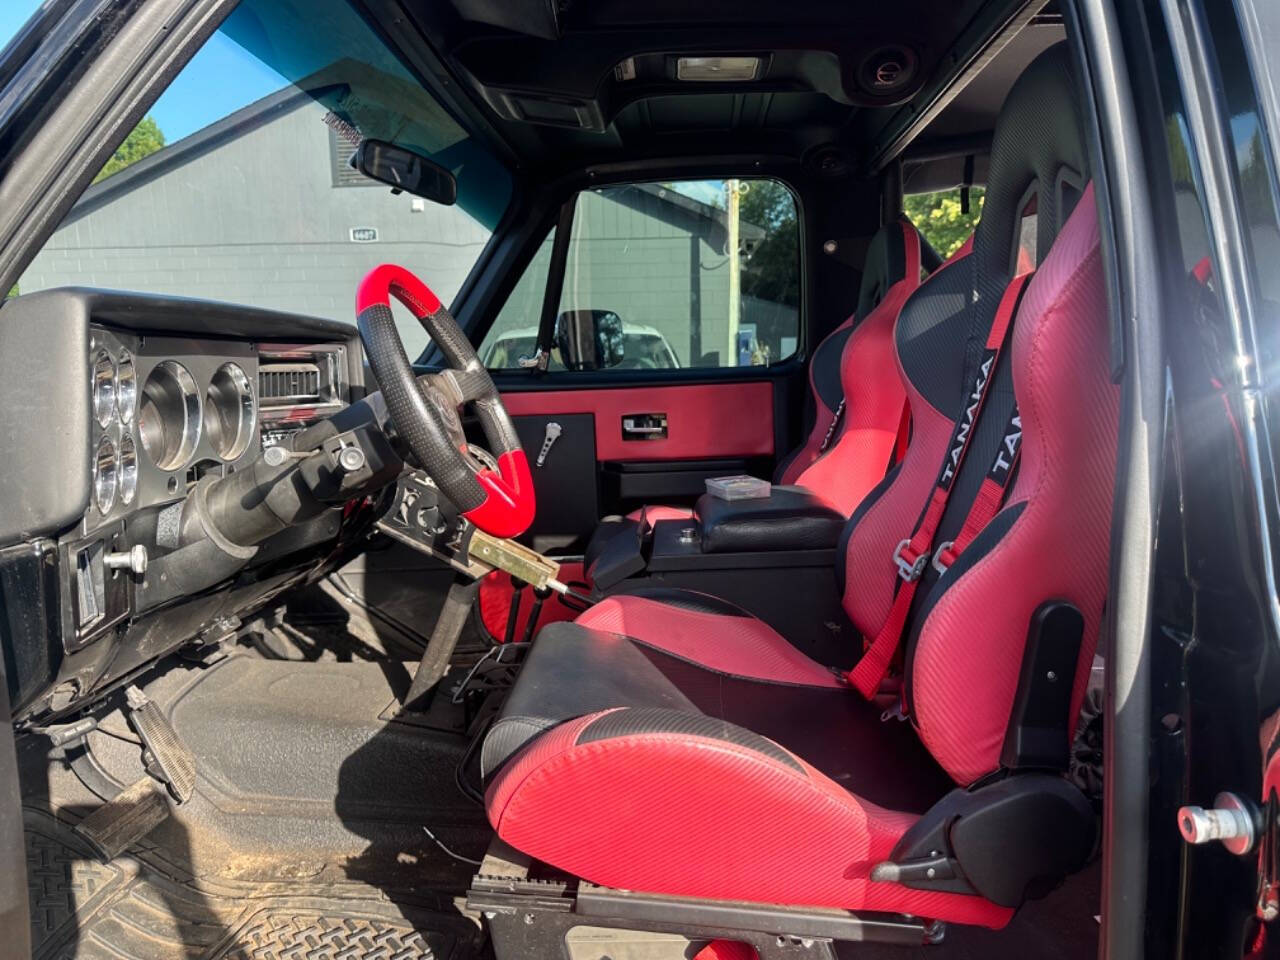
x=237 y=185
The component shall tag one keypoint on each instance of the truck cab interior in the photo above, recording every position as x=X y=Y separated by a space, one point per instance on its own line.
x=534 y=484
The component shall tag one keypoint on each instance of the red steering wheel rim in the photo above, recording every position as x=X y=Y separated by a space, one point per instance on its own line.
x=499 y=502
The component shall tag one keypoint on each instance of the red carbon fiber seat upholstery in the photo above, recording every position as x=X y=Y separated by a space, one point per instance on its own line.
x=668 y=742
x=856 y=396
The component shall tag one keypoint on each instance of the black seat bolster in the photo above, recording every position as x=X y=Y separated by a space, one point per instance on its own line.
x=572 y=671
x=604 y=534
x=615 y=552
x=790 y=518
x=1009 y=840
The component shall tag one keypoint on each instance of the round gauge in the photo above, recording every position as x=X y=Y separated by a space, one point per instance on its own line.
x=169 y=415
x=128 y=469
x=229 y=411
x=104 y=387
x=126 y=387
x=105 y=475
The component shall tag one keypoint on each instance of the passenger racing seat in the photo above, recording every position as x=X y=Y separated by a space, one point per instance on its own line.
x=669 y=743
x=855 y=393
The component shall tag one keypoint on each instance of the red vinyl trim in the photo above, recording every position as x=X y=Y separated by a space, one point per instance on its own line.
x=508 y=505
x=386 y=279
x=703 y=420
x=497 y=593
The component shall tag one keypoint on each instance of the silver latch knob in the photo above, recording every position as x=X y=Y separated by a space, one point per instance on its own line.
x=1231 y=821
x=549 y=437
x=278 y=456
x=135 y=560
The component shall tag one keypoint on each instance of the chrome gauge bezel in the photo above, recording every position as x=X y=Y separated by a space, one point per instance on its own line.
x=103 y=387
x=126 y=387
x=173 y=391
x=230 y=411
x=128 y=471
x=106 y=469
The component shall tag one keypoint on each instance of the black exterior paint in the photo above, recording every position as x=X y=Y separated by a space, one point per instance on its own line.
x=1214 y=640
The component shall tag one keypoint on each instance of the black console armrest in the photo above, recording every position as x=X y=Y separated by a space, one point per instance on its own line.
x=790 y=518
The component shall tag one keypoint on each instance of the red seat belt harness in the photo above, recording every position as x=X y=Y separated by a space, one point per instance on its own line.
x=912 y=555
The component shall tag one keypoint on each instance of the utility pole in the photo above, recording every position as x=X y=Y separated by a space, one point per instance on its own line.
x=735 y=273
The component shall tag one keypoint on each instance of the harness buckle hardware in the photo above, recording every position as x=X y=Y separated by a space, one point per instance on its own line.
x=909 y=570
x=940 y=563
x=894 y=713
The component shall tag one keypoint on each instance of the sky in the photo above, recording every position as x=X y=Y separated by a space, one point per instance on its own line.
x=220 y=79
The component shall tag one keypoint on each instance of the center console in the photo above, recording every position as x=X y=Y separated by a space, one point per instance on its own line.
x=773 y=556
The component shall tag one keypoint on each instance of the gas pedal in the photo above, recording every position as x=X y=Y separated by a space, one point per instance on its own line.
x=168 y=759
x=119 y=823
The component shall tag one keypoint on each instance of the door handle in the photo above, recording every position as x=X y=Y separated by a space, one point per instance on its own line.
x=644 y=426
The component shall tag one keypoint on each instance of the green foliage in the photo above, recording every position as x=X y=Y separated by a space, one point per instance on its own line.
x=145 y=139
x=773 y=272
x=1179 y=156
x=12 y=293
x=938 y=216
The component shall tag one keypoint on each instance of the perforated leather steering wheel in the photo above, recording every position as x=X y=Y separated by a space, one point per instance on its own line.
x=425 y=410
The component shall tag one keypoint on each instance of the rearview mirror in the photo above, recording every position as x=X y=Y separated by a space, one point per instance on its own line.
x=402 y=169
x=589 y=339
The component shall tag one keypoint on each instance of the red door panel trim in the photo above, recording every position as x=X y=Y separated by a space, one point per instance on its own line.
x=703 y=420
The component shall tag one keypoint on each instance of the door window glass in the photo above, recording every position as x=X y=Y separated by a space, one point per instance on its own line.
x=701 y=273
x=514 y=333
x=942 y=219
x=665 y=276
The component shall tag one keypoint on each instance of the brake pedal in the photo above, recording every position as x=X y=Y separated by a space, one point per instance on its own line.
x=167 y=758
x=133 y=813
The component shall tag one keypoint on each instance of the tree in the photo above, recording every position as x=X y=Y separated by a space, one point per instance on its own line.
x=145 y=139
x=939 y=218
x=773 y=272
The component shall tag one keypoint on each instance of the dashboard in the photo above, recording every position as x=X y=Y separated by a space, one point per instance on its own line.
x=118 y=408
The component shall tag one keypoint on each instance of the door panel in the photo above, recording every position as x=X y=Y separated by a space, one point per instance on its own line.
x=564 y=483
x=704 y=421
x=681 y=434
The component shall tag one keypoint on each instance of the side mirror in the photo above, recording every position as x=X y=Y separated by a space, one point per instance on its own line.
x=402 y=169
x=589 y=339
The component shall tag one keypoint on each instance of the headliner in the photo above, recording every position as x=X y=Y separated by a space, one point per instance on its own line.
x=540 y=75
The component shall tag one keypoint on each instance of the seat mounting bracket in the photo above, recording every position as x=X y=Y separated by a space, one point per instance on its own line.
x=530 y=917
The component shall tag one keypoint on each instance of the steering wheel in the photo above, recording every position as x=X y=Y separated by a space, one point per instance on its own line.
x=425 y=411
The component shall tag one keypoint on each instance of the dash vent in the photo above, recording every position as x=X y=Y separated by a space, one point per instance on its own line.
x=289 y=383
x=293 y=377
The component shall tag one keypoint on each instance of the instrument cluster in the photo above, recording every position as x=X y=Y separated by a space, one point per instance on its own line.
x=167 y=411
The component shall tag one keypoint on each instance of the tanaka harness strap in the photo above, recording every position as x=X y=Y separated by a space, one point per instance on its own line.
x=912 y=555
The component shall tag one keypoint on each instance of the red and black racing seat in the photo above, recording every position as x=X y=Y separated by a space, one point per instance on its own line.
x=669 y=743
x=856 y=396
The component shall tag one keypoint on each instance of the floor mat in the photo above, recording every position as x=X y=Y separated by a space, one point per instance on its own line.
x=141 y=908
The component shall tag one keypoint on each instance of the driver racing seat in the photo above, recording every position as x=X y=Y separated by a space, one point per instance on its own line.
x=669 y=743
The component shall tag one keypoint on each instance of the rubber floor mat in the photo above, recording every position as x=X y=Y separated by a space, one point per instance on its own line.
x=143 y=909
